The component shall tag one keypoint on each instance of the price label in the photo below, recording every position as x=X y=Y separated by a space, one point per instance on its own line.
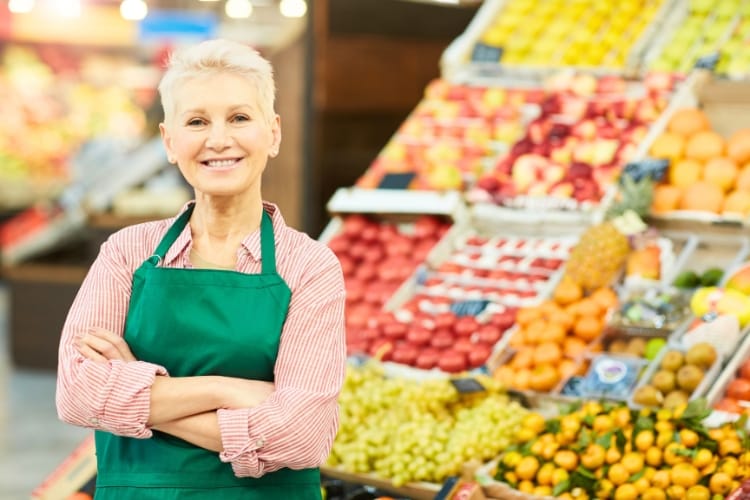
x=447 y=488
x=396 y=181
x=469 y=307
x=467 y=385
x=709 y=61
x=655 y=168
x=486 y=53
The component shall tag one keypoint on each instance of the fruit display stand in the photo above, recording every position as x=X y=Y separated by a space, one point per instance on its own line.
x=704 y=139
x=536 y=37
x=730 y=395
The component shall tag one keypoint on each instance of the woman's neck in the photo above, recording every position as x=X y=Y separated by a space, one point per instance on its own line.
x=218 y=228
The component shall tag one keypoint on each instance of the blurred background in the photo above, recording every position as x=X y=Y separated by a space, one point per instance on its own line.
x=80 y=155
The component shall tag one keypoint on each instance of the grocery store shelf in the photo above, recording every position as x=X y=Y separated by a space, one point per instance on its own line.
x=357 y=200
x=415 y=491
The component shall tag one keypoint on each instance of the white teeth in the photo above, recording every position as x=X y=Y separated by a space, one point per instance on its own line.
x=220 y=163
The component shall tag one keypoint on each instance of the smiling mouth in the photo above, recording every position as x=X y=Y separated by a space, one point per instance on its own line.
x=221 y=164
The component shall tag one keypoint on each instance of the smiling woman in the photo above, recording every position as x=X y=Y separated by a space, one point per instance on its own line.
x=207 y=350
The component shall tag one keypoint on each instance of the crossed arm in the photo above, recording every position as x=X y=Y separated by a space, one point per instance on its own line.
x=184 y=407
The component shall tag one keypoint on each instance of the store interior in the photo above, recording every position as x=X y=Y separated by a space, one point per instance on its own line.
x=541 y=209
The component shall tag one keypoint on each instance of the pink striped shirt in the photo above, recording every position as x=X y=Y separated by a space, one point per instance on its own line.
x=294 y=427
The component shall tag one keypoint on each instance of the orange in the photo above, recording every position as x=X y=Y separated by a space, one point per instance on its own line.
x=588 y=307
x=504 y=374
x=567 y=368
x=543 y=378
x=562 y=318
x=737 y=202
x=738 y=146
x=702 y=196
x=549 y=307
x=521 y=379
x=666 y=198
x=668 y=145
x=526 y=315
x=743 y=179
x=573 y=347
x=555 y=333
x=567 y=291
x=688 y=121
x=535 y=331
x=587 y=328
x=605 y=297
x=547 y=352
x=721 y=171
x=684 y=172
x=524 y=358
x=704 y=145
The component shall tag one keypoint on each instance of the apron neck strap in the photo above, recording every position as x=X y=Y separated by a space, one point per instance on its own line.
x=267 y=243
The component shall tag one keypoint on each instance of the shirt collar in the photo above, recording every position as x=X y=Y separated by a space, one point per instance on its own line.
x=251 y=242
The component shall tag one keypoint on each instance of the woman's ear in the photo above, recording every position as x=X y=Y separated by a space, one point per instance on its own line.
x=167 y=140
x=276 y=142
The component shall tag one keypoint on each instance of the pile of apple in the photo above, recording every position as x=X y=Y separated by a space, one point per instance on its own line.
x=701 y=33
x=588 y=128
x=376 y=257
x=461 y=309
x=451 y=134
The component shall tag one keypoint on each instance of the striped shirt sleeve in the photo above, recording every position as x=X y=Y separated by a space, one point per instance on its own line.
x=113 y=396
x=295 y=427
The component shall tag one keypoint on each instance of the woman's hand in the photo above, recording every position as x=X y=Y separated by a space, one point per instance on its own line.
x=241 y=393
x=101 y=346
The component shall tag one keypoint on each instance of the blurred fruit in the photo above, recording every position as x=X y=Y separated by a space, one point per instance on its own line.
x=704 y=145
x=684 y=172
x=702 y=196
x=738 y=146
x=688 y=121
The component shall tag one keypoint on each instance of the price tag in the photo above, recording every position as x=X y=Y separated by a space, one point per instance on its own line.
x=447 y=488
x=486 y=53
x=469 y=307
x=467 y=385
x=709 y=61
x=396 y=181
x=655 y=168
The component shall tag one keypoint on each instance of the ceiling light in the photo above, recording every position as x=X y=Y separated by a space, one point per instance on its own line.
x=133 y=10
x=20 y=6
x=293 y=8
x=238 y=9
x=69 y=8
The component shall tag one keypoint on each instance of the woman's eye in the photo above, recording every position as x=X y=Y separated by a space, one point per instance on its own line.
x=240 y=118
x=195 y=122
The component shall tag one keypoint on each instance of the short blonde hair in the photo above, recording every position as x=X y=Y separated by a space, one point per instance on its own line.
x=218 y=56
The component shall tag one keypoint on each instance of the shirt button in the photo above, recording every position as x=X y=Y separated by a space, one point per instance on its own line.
x=94 y=421
x=260 y=442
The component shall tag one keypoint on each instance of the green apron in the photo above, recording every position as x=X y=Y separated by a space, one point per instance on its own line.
x=200 y=322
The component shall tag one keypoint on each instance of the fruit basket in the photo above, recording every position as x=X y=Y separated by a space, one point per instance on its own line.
x=686 y=374
x=731 y=392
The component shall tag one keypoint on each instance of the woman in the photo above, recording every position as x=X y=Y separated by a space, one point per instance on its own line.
x=208 y=350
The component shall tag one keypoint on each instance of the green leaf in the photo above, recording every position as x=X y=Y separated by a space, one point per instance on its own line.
x=635 y=477
x=709 y=444
x=561 y=488
x=620 y=439
x=605 y=440
x=696 y=409
x=552 y=425
x=525 y=449
x=741 y=423
x=588 y=420
x=568 y=408
x=685 y=452
x=582 y=478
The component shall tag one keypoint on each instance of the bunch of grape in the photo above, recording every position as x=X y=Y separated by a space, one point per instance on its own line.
x=407 y=430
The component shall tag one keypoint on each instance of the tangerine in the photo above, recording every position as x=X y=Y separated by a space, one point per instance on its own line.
x=605 y=297
x=737 y=202
x=587 y=328
x=567 y=291
x=688 y=121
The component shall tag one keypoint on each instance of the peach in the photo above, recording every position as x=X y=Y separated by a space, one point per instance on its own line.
x=738 y=146
x=688 y=121
x=668 y=145
x=704 y=145
x=685 y=172
x=737 y=202
x=702 y=196
x=721 y=171
x=666 y=198
x=743 y=179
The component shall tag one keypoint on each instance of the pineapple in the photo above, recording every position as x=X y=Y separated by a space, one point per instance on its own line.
x=598 y=257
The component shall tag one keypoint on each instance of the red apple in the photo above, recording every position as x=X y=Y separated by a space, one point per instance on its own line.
x=405 y=354
x=452 y=361
x=745 y=369
x=489 y=333
x=739 y=389
x=418 y=335
x=427 y=359
x=479 y=355
x=442 y=339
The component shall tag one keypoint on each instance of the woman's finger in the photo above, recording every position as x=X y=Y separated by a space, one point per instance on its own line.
x=115 y=340
x=89 y=353
x=102 y=346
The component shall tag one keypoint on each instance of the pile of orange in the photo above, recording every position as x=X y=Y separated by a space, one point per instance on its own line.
x=547 y=345
x=707 y=172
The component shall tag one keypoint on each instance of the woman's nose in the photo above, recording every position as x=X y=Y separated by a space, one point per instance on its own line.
x=218 y=137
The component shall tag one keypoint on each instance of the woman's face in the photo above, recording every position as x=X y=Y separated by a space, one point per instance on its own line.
x=218 y=136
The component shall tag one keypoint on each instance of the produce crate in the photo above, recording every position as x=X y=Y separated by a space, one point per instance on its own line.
x=726 y=105
x=508 y=36
x=709 y=376
x=417 y=491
